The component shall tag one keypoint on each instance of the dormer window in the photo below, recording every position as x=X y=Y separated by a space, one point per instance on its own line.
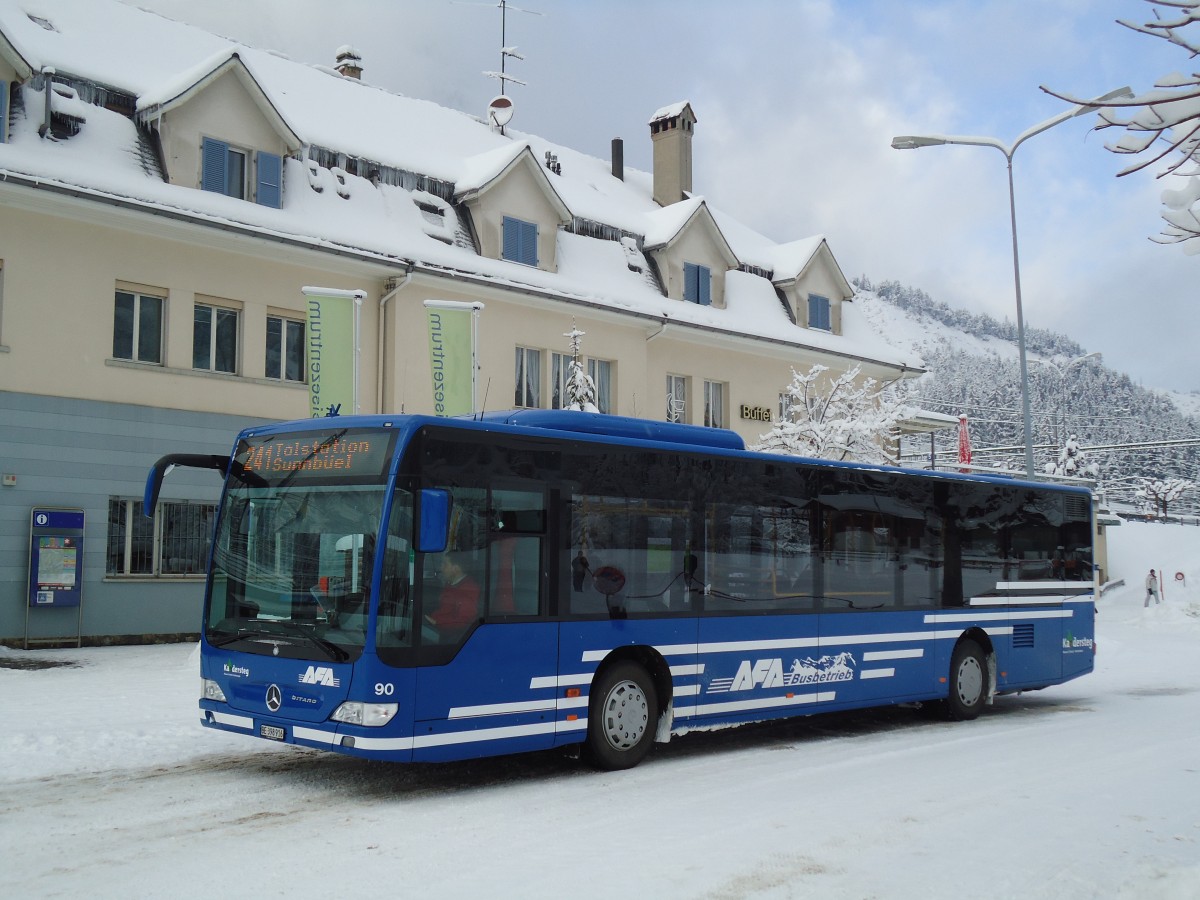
x=819 y=313
x=225 y=171
x=520 y=241
x=697 y=284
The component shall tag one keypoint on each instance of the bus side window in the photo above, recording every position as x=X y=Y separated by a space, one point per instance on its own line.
x=516 y=529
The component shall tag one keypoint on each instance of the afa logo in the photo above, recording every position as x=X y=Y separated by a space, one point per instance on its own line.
x=320 y=675
x=769 y=673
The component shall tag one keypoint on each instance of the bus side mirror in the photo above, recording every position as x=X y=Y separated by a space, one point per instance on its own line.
x=434 y=528
x=159 y=471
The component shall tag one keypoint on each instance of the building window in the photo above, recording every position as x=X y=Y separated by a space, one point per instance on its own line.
x=818 y=312
x=214 y=339
x=285 y=349
x=676 y=398
x=138 y=327
x=714 y=404
x=697 y=284
x=529 y=378
x=520 y=241
x=223 y=169
x=601 y=371
x=175 y=542
x=785 y=407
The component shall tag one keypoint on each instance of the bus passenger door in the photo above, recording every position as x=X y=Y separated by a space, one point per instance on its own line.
x=486 y=683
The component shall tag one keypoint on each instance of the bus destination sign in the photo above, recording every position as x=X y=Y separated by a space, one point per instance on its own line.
x=322 y=454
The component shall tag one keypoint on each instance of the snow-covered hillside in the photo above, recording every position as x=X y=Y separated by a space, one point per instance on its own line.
x=973 y=368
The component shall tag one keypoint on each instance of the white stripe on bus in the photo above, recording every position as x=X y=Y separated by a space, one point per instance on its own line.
x=877 y=655
x=876 y=673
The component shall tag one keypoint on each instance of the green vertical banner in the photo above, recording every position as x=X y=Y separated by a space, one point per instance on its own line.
x=332 y=350
x=452 y=349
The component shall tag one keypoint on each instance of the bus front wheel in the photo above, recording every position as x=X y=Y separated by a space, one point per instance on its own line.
x=968 y=682
x=622 y=709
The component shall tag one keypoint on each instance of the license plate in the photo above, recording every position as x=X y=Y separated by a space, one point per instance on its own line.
x=271 y=731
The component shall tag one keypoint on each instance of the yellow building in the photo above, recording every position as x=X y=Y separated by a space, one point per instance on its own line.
x=161 y=211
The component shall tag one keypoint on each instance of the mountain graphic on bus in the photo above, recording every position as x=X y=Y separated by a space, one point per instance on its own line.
x=839 y=667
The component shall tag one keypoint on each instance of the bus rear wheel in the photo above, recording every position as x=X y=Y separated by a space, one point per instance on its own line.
x=968 y=682
x=621 y=714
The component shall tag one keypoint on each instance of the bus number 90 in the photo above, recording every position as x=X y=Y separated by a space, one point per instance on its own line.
x=384 y=690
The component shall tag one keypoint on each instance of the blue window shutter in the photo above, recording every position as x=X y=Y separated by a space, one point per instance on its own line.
x=529 y=243
x=520 y=241
x=269 y=190
x=3 y=111
x=818 y=312
x=697 y=284
x=511 y=238
x=213 y=165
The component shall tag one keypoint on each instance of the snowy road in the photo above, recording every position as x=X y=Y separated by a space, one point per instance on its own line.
x=110 y=788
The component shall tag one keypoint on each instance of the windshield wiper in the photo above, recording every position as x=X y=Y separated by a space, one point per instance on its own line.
x=336 y=653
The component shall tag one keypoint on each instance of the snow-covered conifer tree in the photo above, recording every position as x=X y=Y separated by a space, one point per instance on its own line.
x=1072 y=462
x=580 y=389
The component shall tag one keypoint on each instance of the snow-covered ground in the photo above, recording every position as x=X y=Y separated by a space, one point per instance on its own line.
x=110 y=788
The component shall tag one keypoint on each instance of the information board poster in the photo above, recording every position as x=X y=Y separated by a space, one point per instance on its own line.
x=55 y=557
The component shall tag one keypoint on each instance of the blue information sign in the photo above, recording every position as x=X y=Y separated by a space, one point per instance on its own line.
x=55 y=557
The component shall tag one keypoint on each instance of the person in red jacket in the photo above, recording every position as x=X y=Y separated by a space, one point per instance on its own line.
x=458 y=603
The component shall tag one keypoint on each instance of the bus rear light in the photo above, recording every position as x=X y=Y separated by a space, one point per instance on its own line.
x=369 y=715
x=571 y=717
x=210 y=690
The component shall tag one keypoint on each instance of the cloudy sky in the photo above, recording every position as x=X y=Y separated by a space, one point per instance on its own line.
x=797 y=102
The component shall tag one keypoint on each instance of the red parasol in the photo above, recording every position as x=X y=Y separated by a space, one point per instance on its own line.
x=964 y=442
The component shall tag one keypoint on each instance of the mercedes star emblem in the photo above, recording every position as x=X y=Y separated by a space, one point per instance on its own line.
x=274 y=698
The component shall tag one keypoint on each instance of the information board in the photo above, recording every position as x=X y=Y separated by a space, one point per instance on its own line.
x=55 y=557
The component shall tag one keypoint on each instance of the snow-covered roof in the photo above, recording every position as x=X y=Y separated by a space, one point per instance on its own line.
x=161 y=63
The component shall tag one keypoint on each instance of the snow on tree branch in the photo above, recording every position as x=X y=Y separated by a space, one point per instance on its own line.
x=1160 y=492
x=842 y=418
x=1163 y=124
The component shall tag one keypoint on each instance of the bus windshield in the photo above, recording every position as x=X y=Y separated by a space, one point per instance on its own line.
x=294 y=552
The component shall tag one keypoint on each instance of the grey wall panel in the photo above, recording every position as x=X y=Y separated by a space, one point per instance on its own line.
x=77 y=454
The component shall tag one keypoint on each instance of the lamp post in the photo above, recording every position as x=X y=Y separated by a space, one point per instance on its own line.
x=912 y=142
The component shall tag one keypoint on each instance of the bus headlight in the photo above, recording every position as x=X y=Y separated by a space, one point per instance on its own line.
x=371 y=715
x=210 y=690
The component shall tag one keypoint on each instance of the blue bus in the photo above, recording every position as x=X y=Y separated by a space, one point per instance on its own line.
x=426 y=589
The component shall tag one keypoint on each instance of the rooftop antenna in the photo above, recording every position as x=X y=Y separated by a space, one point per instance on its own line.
x=500 y=110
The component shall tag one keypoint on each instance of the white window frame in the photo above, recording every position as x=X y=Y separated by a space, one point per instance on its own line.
x=216 y=309
x=136 y=336
x=284 y=346
x=677 y=403
x=714 y=404
x=528 y=393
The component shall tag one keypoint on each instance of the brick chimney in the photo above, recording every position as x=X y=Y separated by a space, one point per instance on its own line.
x=671 y=130
x=349 y=62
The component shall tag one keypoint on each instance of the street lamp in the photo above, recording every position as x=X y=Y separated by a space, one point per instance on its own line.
x=912 y=142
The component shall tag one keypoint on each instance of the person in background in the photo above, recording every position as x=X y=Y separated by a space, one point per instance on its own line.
x=1151 y=589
